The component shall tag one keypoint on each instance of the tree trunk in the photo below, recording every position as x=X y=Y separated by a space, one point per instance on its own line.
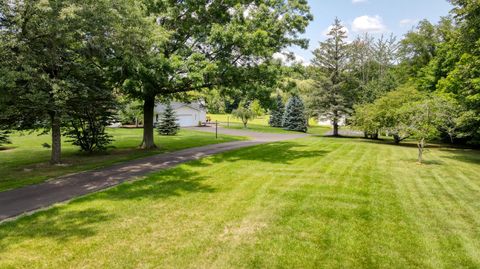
x=148 y=111
x=365 y=134
x=335 y=127
x=375 y=135
x=245 y=125
x=136 y=122
x=56 y=139
x=421 y=146
x=396 y=139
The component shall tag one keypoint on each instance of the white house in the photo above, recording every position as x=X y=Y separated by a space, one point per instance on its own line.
x=327 y=122
x=187 y=114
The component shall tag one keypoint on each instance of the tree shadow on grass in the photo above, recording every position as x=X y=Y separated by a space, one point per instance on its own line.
x=279 y=153
x=172 y=182
x=414 y=161
x=463 y=155
x=5 y=148
x=64 y=224
x=57 y=223
x=180 y=180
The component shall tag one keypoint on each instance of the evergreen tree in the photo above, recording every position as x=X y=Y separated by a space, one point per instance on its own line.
x=332 y=100
x=168 y=122
x=4 y=137
x=294 y=118
x=276 y=115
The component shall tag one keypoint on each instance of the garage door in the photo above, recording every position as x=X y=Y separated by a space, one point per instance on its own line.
x=186 y=120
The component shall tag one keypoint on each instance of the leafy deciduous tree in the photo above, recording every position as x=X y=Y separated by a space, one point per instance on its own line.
x=244 y=113
x=181 y=46
x=55 y=46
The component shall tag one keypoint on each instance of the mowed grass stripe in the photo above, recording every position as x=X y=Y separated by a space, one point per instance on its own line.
x=439 y=216
x=308 y=203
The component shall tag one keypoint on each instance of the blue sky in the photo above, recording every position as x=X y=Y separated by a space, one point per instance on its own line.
x=373 y=16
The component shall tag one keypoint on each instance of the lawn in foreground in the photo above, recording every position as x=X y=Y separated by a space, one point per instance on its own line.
x=25 y=161
x=309 y=203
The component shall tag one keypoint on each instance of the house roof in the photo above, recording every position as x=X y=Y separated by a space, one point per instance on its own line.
x=177 y=105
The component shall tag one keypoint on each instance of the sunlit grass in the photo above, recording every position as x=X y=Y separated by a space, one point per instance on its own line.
x=309 y=203
x=25 y=161
x=260 y=124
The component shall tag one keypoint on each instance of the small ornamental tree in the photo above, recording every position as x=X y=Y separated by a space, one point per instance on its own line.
x=276 y=115
x=426 y=118
x=244 y=113
x=421 y=120
x=294 y=118
x=168 y=122
x=366 y=118
x=87 y=130
x=91 y=111
x=257 y=108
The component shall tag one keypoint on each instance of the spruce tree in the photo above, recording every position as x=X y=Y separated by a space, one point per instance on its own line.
x=4 y=137
x=294 y=118
x=276 y=115
x=332 y=98
x=168 y=122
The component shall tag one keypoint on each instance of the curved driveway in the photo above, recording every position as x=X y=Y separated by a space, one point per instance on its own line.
x=30 y=198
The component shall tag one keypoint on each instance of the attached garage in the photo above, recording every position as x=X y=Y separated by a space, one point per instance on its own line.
x=187 y=114
x=186 y=120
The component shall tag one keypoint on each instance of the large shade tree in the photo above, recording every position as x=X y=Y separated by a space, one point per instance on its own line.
x=175 y=46
x=56 y=50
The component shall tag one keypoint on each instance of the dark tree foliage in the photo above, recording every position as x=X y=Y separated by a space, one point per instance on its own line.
x=294 y=118
x=4 y=128
x=333 y=99
x=52 y=47
x=4 y=137
x=168 y=122
x=276 y=115
x=194 y=45
x=91 y=112
x=87 y=130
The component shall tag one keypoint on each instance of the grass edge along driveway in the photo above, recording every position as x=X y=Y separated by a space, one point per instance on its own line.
x=25 y=162
x=307 y=203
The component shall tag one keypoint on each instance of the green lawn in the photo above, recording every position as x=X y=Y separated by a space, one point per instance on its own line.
x=224 y=118
x=309 y=203
x=26 y=161
x=260 y=124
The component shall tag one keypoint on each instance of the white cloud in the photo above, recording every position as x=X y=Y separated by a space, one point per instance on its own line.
x=286 y=58
x=407 y=22
x=359 y=1
x=369 y=24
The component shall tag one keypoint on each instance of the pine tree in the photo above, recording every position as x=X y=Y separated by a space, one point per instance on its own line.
x=168 y=122
x=332 y=99
x=276 y=115
x=294 y=118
